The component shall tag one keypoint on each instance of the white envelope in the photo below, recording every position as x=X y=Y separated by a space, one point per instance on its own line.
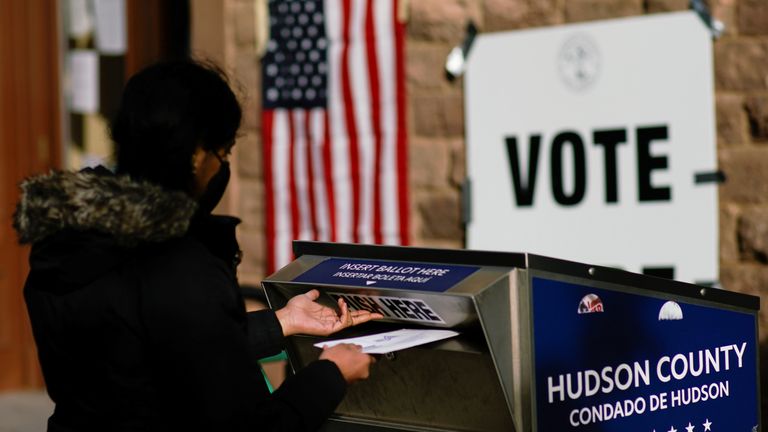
x=392 y=341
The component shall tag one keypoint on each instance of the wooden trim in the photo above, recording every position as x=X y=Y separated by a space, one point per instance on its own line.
x=142 y=25
x=157 y=30
x=30 y=140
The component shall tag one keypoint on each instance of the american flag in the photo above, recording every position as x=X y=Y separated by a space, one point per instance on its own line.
x=333 y=127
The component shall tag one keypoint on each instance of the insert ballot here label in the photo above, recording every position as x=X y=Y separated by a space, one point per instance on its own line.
x=387 y=274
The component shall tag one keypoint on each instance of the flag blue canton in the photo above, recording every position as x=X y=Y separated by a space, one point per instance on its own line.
x=295 y=67
x=333 y=125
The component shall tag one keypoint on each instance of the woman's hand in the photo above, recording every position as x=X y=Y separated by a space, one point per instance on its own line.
x=349 y=358
x=303 y=315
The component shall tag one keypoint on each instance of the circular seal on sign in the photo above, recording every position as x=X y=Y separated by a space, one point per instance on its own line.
x=578 y=62
x=670 y=311
x=590 y=303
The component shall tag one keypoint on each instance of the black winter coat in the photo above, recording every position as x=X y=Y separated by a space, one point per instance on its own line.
x=138 y=319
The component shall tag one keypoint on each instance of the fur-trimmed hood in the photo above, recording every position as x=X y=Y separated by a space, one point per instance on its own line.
x=95 y=200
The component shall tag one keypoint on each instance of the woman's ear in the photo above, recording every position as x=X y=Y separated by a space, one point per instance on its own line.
x=197 y=159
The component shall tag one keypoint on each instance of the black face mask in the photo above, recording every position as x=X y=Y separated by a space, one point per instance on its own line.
x=215 y=189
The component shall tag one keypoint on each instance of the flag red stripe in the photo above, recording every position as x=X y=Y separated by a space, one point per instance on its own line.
x=373 y=80
x=402 y=151
x=328 y=171
x=267 y=120
x=349 y=116
x=294 y=197
x=313 y=208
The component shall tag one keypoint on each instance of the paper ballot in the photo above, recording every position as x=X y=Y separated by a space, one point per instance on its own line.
x=397 y=340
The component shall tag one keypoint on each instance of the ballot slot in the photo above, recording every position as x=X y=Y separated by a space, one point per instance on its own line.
x=448 y=385
x=440 y=310
x=451 y=384
x=460 y=313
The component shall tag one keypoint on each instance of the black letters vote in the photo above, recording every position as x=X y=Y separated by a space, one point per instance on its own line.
x=609 y=140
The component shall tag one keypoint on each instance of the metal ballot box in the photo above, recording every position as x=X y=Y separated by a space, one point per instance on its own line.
x=544 y=344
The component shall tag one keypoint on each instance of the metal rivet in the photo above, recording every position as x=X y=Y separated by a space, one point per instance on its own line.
x=591 y=271
x=703 y=292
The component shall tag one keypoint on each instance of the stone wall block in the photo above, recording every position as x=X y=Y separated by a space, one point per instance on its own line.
x=729 y=244
x=757 y=114
x=746 y=171
x=504 y=15
x=589 y=10
x=253 y=245
x=458 y=162
x=415 y=223
x=249 y=156
x=657 y=6
x=247 y=84
x=438 y=113
x=475 y=12
x=752 y=279
x=749 y=279
x=440 y=243
x=425 y=65
x=753 y=234
x=741 y=65
x=507 y=15
x=244 y=17
x=731 y=120
x=429 y=162
x=753 y=17
x=725 y=12
x=441 y=215
x=440 y=20
x=252 y=206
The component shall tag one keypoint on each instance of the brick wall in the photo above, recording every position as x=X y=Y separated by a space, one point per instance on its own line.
x=436 y=120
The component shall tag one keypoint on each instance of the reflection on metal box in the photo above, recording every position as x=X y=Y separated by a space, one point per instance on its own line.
x=544 y=344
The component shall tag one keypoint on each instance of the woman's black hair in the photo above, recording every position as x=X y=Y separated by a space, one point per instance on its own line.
x=166 y=111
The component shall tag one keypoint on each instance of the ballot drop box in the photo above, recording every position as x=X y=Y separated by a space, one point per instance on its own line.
x=543 y=344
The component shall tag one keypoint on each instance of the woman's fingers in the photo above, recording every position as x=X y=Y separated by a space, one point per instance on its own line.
x=359 y=317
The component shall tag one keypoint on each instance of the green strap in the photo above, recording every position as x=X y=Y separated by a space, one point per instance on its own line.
x=274 y=358
x=278 y=357
x=266 y=380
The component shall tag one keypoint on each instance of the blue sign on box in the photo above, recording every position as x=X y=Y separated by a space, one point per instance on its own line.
x=386 y=274
x=611 y=361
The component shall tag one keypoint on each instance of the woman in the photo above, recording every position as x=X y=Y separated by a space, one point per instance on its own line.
x=132 y=293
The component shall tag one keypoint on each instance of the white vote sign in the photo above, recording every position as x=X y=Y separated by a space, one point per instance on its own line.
x=596 y=143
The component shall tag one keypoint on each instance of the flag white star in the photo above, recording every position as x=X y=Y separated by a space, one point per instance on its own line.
x=672 y=429
x=707 y=425
x=690 y=427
